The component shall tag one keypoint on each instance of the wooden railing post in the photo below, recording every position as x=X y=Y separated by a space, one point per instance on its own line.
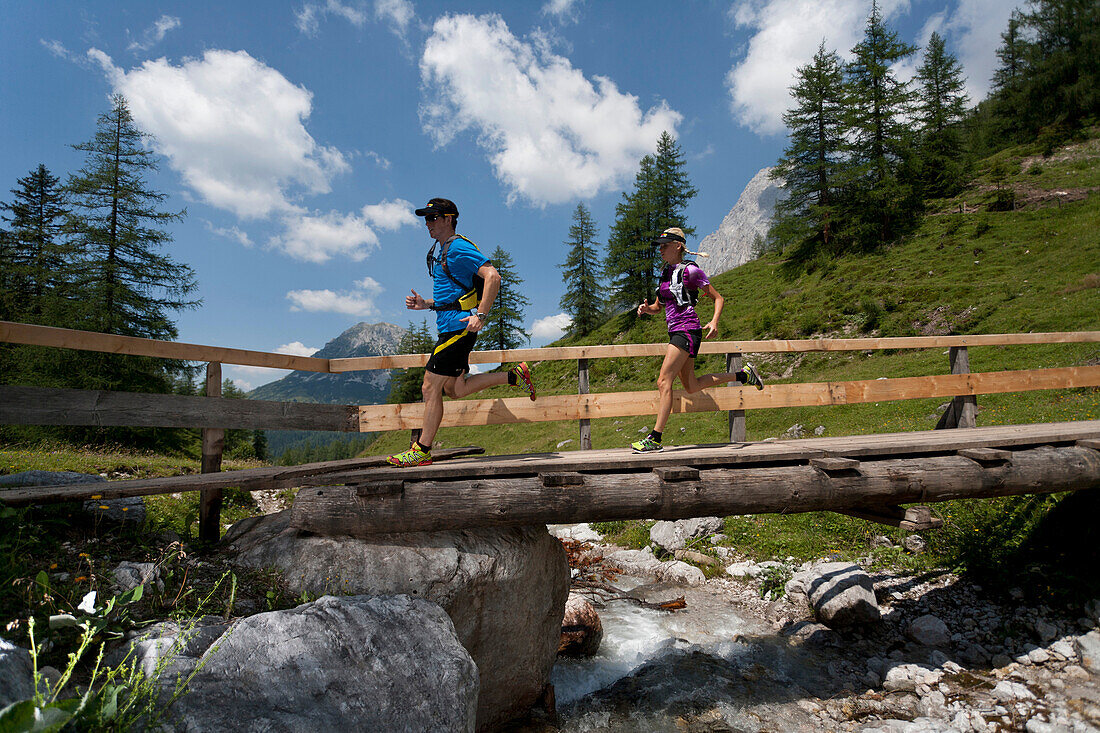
x=582 y=388
x=963 y=410
x=736 y=417
x=213 y=441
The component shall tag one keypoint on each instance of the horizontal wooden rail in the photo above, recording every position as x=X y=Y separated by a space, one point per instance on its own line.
x=48 y=406
x=623 y=404
x=619 y=351
x=23 y=333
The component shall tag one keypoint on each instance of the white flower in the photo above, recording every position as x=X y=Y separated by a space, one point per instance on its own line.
x=88 y=604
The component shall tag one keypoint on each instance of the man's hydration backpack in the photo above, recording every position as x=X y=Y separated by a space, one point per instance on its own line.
x=471 y=297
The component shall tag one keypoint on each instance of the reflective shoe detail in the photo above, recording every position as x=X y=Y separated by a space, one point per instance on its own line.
x=646 y=445
x=412 y=457
x=523 y=378
x=752 y=376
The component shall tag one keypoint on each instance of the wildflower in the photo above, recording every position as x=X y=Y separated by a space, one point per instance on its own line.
x=88 y=604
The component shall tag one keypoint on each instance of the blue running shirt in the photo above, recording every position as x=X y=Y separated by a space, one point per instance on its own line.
x=464 y=259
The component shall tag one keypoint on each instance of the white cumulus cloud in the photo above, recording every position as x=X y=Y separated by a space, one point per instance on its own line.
x=397 y=14
x=233 y=127
x=296 y=348
x=248 y=378
x=551 y=134
x=359 y=301
x=318 y=237
x=787 y=33
x=551 y=327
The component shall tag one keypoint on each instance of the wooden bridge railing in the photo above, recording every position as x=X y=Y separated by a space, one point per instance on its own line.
x=45 y=406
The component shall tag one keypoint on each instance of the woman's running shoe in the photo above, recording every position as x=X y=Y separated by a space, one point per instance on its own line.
x=523 y=378
x=415 y=456
x=646 y=445
x=752 y=376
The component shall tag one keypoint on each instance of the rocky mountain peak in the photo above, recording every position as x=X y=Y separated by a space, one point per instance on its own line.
x=732 y=244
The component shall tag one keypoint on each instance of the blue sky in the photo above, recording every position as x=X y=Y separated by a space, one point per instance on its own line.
x=299 y=136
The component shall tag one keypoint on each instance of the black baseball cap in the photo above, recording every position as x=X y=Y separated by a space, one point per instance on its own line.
x=439 y=206
x=672 y=234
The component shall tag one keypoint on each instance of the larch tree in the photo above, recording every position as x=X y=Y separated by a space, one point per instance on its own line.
x=504 y=327
x=583 y=298
x=941 y=106
x=807 y=221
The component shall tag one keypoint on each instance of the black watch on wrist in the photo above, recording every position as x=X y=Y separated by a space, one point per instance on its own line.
x=481 y=316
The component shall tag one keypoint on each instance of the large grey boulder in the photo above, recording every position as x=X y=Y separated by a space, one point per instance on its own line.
x=16 y=674
x=504 y=589
x=840 y=594
x=351 y=663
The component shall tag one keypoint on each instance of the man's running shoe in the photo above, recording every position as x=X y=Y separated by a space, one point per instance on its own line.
x=523 y=378
x=415 y=456
x=646 y=445
x=752 y=376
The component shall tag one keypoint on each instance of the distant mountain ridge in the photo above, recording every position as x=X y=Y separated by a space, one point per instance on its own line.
x=732 y=244
x=350 y=388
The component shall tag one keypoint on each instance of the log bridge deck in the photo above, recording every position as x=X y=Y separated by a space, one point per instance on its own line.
x=869 y=476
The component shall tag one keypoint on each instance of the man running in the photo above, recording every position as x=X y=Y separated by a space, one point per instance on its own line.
x=457 y=271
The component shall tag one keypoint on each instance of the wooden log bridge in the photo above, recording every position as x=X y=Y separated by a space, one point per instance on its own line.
x=867 y=476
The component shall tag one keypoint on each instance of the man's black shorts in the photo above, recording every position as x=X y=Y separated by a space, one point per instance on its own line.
x=451 y=356
x=688 y=341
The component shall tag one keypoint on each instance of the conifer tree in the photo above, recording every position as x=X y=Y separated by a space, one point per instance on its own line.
x=405 y=383
x=1064 y=64
x=36 y=257
x=504 y=327
x=881 y=197
x=127 y=287
x=662 y=191
x=941 y=106
x=583 y=299
x=807 y=220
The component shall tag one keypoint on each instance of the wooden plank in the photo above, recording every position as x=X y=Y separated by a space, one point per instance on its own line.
x=790 y=451
x=623 y=404
x=24 y=333
x=677 y=473
x=1094 y=444
x=736 y=418
x=213 y=441
x=447 y=504
x=47 y=406
x=835 y=463
x=613 y=351
x=912 y=519
x=251 y=479
x=562 y=478
x=987 y=456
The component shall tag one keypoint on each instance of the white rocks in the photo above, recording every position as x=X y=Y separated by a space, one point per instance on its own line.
x=841 y=594
x=582 y=532
x=676 y=535
x=129 y=575
x=914 y=543
x=909 y=676
x=929 y=630
x=643 y=562
x=1088 y=649
x=581 y=628
x=745 y=569
x=732 y=244
x=1008 y=691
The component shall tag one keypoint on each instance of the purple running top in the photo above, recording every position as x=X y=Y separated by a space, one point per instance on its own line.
x=679 y=313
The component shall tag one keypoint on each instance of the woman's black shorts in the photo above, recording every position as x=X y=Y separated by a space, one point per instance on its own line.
x=451 y=356
x=688 y=341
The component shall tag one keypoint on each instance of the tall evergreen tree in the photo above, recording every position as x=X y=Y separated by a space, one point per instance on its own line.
x=941 y=106
x=1065 y=62
x=126 y=286
x=583 y=299
x=405 y=383
x=881 y=197
x=37 y=260
x=662 y=192
x=504 y=327
x=807 y=220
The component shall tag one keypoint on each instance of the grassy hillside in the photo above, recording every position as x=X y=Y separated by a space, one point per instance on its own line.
x=967 y=269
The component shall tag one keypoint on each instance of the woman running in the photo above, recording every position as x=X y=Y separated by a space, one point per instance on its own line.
x=681 y=281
